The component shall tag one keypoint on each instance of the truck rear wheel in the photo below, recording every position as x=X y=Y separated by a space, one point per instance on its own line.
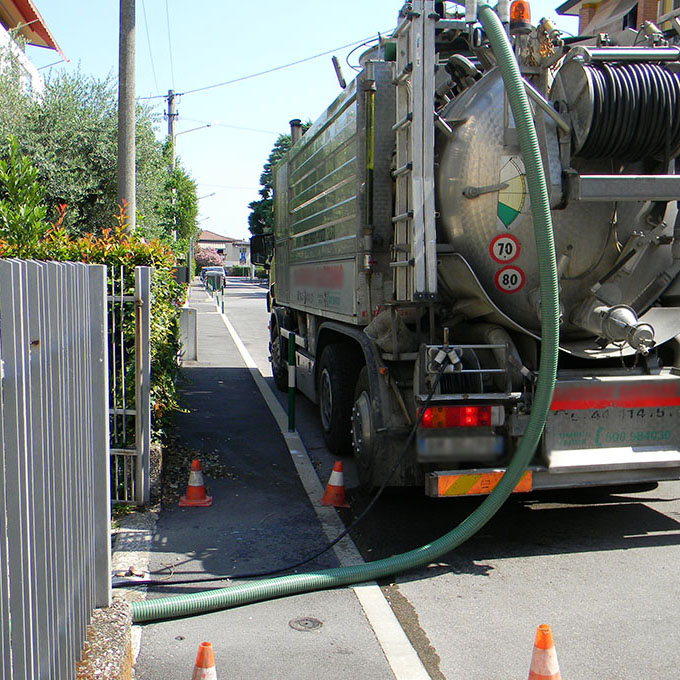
x=363 y=431
x=335 y=390
x=278 y=349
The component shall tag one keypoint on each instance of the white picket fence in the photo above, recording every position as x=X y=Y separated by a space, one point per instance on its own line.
x=54 y=464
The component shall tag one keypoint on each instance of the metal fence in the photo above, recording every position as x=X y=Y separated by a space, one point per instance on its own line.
x=54 y=464
x=129 y=310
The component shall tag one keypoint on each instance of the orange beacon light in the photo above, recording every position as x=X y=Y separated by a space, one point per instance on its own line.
x=520 y=17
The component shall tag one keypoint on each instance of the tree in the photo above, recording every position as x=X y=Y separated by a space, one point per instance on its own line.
x=22 y=211
x=70 y=136
x=180 y=210
x=25 y=233
x=261 y=218
x=207 y=257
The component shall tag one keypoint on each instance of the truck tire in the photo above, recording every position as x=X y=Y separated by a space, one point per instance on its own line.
x=335 y=389
x=363 y=431
x=278 y=351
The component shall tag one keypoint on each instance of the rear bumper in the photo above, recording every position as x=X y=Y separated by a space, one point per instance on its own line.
x=600 y=431
x=613 y=459
x=479 y=482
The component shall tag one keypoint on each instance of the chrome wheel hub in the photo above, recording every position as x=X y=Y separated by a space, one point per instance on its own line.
x=362 y=430
x=325 y=399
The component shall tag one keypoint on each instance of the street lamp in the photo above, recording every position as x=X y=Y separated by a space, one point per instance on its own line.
x=198 y=198
x=200 y=127
x=190 y=254
x=184 y=132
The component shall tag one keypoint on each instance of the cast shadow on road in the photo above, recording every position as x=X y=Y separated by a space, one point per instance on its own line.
x=262 y=519
x=539 y=525
x=246 y=295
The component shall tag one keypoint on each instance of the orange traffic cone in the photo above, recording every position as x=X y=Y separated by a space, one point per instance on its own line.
x=195 y=495
x=204 y=668
x=335 y=489
x=544 y=659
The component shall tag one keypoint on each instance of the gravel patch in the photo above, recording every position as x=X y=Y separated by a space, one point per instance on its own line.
x=107 y=653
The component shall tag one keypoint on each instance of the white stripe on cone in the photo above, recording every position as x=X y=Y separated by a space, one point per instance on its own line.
x=545 y=663
x=195 y=478
x=336 y=479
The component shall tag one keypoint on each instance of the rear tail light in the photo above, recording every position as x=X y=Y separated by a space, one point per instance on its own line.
x=462 y=416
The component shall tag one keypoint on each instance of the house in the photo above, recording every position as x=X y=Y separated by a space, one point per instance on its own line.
x=611 y=16
x=234 y=252
x=20 y=22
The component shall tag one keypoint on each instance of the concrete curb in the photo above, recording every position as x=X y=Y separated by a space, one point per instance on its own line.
x=107 y=653
x=112 y=643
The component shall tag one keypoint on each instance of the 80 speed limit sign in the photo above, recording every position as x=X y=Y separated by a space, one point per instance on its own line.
x=509 y=279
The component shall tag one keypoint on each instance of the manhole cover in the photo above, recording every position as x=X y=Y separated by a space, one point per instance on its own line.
x=305 y=623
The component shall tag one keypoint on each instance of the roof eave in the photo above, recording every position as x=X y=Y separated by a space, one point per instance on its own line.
x=34 y=29
x=564 y=8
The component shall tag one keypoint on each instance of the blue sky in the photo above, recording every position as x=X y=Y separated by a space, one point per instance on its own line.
x=190 y=45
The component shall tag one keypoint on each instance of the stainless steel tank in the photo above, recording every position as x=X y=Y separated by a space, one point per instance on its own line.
x=484 y=213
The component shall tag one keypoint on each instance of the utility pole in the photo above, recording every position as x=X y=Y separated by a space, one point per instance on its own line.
x=172 y=115
x=126 y=111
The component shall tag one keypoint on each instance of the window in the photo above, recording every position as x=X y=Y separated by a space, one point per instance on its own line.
x=630 y=19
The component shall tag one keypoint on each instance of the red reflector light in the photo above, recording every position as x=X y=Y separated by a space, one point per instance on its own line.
x=457 y=416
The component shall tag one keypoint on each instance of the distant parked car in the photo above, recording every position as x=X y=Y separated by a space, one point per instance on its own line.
x=205 y=270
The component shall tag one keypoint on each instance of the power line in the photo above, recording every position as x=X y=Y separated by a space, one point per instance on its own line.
x=148 y=41
x=216 y=123
x=226 y=186
x=172 y=66
x=271 y=70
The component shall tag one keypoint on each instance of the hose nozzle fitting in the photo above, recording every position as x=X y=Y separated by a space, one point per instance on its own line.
x=617 y=324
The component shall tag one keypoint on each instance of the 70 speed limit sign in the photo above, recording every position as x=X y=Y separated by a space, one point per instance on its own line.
x=504 y=248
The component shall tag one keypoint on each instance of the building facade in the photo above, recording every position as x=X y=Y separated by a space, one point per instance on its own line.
x=234 y=252
x=21 y=24
x=612 y=16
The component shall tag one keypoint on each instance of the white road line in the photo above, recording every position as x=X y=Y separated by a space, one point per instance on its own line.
x=400 y=654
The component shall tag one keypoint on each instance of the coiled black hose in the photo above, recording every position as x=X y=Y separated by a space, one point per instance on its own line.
x=636 y=112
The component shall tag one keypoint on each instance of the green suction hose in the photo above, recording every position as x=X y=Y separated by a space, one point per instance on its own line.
x=223 y=598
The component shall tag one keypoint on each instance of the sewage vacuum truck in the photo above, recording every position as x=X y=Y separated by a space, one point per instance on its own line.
x=405 y=269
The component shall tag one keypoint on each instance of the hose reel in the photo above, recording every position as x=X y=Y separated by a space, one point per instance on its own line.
x=627 y=110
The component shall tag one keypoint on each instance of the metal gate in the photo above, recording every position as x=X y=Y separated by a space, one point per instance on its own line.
x=129 y=311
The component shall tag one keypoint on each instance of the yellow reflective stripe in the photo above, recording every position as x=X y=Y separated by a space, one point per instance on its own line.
x=477 y=483
x=457 y=485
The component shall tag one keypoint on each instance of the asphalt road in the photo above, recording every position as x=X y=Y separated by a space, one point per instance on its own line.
x=599 y=567
x=260 y=519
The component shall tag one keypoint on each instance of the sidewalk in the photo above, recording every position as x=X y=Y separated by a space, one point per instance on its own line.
x=261 y=518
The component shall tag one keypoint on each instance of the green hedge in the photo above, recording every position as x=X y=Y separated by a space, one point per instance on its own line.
x=25 y=233
x=116 y=248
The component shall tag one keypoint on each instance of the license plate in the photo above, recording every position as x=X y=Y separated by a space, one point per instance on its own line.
x=653 y=427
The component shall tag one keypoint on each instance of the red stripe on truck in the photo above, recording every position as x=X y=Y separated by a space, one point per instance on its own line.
x=580 y=397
